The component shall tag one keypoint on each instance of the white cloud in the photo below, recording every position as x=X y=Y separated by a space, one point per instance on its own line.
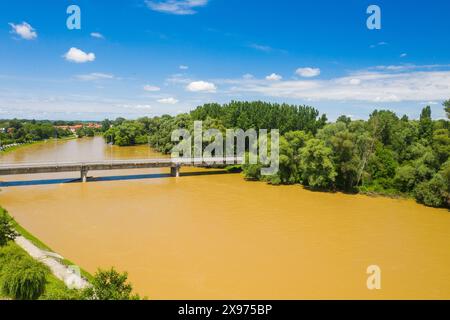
x=136 y=106
x=24 y=30
x=79 y=56
x=168 y=100
x=151 y=88
x=308 y=72
x=379 y=44
x=274 y=77
x=97 y=35
x=395 y=68
x=368 y=86
x=430 y=103
x=261 y=47
x=183 y=67
x=178 y=79
x=403 y=55
x=248 y=76
x=95 y=76
x=264 y=48
x=201 y=86
x=409 y=67
x=177 y=7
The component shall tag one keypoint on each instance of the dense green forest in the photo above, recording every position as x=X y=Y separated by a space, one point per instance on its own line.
x=384 y=155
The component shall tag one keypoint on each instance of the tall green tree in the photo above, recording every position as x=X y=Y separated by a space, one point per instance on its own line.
x=381 y=168
x=316 y=165
x=291 y=145
x=288 y=168
x=106 y=124
x=345 y=154
x=426 y=126
x=383 y=124
x=447 y=107
x=441 y=144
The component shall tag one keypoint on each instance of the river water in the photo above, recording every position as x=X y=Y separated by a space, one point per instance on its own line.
x=208 y=235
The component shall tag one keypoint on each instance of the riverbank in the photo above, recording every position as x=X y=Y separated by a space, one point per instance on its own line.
x=64 y=280
x=206 y=236
x=8 y=149
x=54 y=289
x=38 y=244
x=69 y=275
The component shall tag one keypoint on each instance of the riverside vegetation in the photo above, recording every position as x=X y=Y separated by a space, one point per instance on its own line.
x=23 y=131
x=385 y=155
x=18 y=131
x=23 y=278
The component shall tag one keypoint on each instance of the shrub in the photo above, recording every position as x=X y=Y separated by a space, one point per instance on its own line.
x=110 y=285
x=9 y=254
x=25 y=279
x=252 y=172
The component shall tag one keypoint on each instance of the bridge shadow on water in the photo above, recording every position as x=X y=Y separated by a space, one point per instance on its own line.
x=25 y=183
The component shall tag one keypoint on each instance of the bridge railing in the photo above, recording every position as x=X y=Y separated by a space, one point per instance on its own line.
x=176 y=161
x=84 y=167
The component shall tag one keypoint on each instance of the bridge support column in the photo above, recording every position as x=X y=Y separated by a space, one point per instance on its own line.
x=84 y=173
x=175 y=171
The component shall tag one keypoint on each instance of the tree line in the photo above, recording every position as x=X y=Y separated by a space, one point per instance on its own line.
x=22 y=131
x=385 y=154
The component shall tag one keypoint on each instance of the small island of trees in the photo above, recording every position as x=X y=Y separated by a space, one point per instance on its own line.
x=386 y=155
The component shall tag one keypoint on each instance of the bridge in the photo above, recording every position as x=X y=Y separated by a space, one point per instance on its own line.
x=84 y=167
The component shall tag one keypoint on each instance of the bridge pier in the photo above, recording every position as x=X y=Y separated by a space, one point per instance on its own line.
x=84 y=173
x=175 y=171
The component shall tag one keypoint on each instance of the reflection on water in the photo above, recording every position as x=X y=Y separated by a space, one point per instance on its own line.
x=217 y=236
x=107 y=178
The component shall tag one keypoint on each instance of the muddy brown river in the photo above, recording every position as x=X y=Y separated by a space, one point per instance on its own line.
x=207 y=235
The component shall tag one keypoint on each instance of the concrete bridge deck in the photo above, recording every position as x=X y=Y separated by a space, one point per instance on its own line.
x=84 y=167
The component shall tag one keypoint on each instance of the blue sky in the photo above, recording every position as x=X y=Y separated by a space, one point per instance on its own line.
x=137 y=57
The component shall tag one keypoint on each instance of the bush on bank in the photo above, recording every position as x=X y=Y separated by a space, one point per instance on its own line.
x=110 y=285
x=22 y=277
